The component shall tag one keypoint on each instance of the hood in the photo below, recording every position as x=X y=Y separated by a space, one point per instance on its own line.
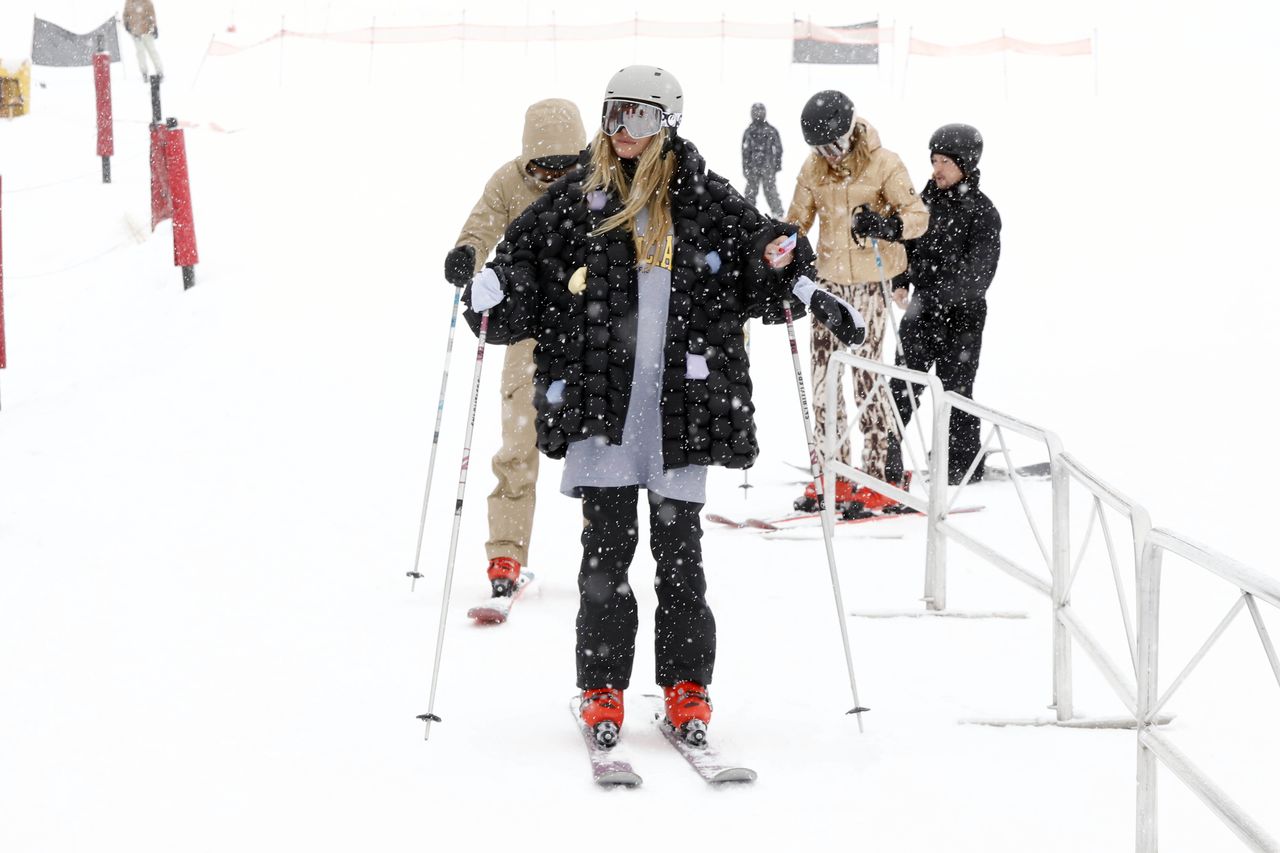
x=552 y=127
x=757 y=112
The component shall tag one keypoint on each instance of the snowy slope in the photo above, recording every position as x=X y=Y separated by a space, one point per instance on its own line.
x=208 y=500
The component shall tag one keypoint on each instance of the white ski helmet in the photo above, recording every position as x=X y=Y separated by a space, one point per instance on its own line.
x=648 y=84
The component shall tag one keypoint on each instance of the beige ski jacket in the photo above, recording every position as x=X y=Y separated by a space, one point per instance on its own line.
x=832 y=195
x=551 y=127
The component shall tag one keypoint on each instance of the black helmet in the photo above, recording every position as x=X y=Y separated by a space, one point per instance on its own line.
x=826 y=117
x=757 y=112
x=961 y=142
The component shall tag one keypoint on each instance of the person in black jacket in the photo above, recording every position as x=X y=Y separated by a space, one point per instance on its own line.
x=762 y=160
x=635 y=274
x=950 y=268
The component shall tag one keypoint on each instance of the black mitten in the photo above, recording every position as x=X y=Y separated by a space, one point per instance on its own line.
x=841 y=318
x=460 y=265
x=868 y=223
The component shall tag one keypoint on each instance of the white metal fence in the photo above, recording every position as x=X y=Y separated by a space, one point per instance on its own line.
x=1135 y=681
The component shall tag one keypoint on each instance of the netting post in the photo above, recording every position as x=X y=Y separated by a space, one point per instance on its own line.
x=102 y=90
x=184 y=229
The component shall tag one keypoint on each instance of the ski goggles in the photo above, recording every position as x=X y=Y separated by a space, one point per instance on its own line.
x=640 y=120
x=837 y=149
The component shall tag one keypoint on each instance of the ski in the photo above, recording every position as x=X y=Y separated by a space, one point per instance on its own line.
x=1036 y=471
x=704 y=760
x=788 y=522
x=779 y=523
x=606 y=769
x=494 y=610
x=725 y=520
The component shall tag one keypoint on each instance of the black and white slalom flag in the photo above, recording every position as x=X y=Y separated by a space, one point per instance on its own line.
x=850 y=44
x=52 y=45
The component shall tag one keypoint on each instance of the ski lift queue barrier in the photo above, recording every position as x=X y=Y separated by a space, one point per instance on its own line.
x=1140 y=694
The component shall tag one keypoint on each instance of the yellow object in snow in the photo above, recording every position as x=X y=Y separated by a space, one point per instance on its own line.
x=15 y=90
x=578 y=281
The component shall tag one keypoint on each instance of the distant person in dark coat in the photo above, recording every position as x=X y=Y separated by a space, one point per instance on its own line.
x=762 y=160
x=950 y=268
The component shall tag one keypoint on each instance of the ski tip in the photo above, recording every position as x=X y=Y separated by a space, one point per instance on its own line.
x=619 y=778
x=486 y=616
x=734 y=774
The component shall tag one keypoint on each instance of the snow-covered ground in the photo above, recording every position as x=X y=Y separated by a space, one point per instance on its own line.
x=209 y=499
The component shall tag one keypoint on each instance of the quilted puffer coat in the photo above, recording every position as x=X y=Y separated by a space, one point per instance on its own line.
x=718 y=281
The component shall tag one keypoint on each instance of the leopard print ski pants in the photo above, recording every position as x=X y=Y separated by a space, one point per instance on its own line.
x=876 y=420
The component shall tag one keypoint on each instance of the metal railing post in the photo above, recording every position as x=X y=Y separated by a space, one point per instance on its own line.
x=1148 y=604
x=935 y=554
x=1060 y=593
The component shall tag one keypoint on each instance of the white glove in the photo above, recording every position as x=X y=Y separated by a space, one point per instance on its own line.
x=804 y=289
x=486 y=290
x=555 y=392
x=841 y=318
x=695 y=366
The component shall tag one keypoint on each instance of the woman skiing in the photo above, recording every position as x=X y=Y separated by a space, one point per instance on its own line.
x=859 y=191
x=635 y=273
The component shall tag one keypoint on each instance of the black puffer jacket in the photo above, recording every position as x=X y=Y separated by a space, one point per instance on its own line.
x=955 y=260
x=718 y=281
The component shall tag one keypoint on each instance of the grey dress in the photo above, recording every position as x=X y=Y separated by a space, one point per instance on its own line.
x=638 y=460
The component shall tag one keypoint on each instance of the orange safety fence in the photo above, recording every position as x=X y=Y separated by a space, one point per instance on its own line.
x=428 y=33
x=1080 y=47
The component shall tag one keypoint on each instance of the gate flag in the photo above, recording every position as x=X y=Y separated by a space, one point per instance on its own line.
x=52 y=45
x=851 y=44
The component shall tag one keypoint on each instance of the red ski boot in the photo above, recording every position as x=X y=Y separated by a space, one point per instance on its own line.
x=504 y=575
x=867 y=502
x=688 y=710
x=812 y=499
x=601 y=712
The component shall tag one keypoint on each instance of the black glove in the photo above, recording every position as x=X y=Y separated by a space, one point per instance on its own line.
x=460 y=265
x=868 y=223
x=839 y=317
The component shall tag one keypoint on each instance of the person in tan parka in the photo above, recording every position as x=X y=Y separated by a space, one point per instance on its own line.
x=852 y=184
x=553 y=138
x=140 y=22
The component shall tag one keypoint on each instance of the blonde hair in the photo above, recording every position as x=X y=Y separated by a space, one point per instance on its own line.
x=859 y=156
x=646 y=190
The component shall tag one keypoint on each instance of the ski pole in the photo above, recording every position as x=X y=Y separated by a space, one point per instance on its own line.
x=435 y=440
x=826 y=511
x=746 y=343
x=897 y=344
x=430 y=716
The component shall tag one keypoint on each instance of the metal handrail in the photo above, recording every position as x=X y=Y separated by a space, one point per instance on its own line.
x=1153 y=747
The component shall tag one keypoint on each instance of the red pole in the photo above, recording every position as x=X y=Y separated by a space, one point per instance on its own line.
x=102 y=86
x=184 y=228
x=161 y=205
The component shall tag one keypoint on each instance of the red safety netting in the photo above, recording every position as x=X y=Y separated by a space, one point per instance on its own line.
x=636 y=28
x=1080 y=47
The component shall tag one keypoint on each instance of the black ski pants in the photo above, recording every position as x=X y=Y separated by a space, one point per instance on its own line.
x=770 y=181
x=684 y=629
x=947 y=338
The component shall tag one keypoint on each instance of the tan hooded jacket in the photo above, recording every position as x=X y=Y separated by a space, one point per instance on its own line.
x=139 y=17
x=551 y=127
x=832 y=195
